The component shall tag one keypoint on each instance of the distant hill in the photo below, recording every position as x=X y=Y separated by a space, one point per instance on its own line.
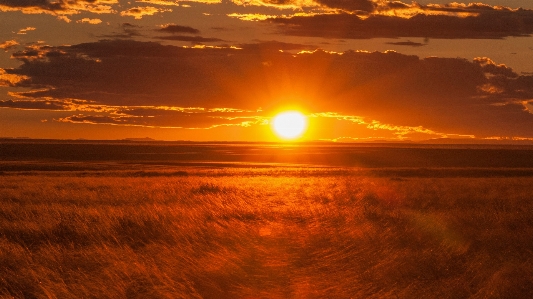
x=140 y=139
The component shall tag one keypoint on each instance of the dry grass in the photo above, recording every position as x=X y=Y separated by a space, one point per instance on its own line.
x=274 y=233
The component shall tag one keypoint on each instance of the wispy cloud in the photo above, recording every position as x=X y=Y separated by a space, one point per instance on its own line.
x=407 y=43
x=193 y=39
x=173 y=28
x=25 y=30
x=8 y=45
x=126 y=31
x=282 y=4
x=90 y=21
x=160 y=2
x=140 y=11
x=178 y=2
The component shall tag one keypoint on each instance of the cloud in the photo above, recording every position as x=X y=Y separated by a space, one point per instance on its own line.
x=8 y=45
x=275 y=46
x=177 y=2
x=127 y=30
x=251 y=17
x=392 y=20
x=141 y=11
x=401 y=132
x=349 y=5
x=9 y=79
x=193 y=39
x=490 y=67
x=33 y=52
x=387 y=92
x=407 y=43
x=177 y=29
x=201 y=1
x=175 y=119
x=281 y=4
x=34 y=105
x=143 y=116
x=166 y=117
x=90 y=21
x=25 y=30
x=160 y=2
x=58 y=7
x=173 y=28
x=64 y=19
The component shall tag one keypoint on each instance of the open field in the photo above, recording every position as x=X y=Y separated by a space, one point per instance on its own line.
x=106 y=230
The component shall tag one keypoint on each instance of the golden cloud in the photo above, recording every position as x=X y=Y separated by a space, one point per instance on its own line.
x=160 y=2
x=7 y=79
x=281 y=4
x=8 y=44
x=89 y=21
x=139 y=12
x=25 y=30
x=251 y=17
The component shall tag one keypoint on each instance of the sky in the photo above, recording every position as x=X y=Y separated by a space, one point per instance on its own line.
x=220 y=70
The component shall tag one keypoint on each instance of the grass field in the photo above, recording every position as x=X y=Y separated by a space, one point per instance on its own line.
x=265 y=233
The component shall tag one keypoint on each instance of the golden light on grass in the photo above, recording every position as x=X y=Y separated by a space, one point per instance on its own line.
x=289 y=124
x=281 y=232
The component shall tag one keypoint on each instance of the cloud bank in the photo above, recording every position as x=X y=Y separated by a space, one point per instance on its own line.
x=124 y=82
x=397 y=19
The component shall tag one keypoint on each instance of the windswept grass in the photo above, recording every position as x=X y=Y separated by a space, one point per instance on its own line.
x=252 y=234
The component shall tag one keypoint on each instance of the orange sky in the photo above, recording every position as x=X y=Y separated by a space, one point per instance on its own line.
x=361 y=70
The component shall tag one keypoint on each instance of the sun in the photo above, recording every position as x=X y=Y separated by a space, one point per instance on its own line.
x=289 y=124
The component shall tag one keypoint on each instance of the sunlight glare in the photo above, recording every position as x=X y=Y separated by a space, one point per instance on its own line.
x=289 y=124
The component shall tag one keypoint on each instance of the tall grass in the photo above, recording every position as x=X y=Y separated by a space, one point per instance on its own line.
x=252 y=234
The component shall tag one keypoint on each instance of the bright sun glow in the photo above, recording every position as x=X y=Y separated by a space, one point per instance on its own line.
x=289 y=124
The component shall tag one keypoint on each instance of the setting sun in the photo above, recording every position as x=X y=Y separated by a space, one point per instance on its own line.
x=289 y=124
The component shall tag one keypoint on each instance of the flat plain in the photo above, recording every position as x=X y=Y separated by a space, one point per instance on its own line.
x=187 y=220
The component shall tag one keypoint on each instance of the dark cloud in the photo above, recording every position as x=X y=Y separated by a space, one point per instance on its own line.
x=349 y=5
x=130 y=29
x=275 y=46
x=34 y=105
x=480 y=23
x=193 y=39
x=53 y=7
x=28 y=54
x=520 y=88
x=407 y=43
x=490 y=67
x=441 y=94
x=44 y=4
x=391 y=5
x=171 y=28
x=127 y=30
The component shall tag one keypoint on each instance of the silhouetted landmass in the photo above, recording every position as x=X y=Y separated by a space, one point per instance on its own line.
x=140 y=139
x=305 y=154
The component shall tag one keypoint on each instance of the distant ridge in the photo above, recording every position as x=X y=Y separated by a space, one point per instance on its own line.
x=140 y=139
